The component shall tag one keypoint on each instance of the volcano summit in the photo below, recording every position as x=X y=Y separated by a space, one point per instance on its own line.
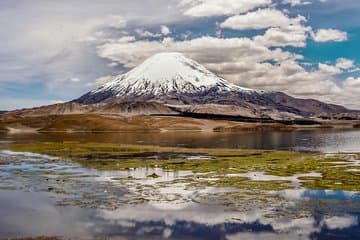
x=164 y=77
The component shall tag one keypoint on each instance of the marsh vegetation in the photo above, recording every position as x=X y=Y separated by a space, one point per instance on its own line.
x=161 y=192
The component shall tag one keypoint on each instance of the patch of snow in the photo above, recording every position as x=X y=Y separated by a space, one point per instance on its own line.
x=168 y=73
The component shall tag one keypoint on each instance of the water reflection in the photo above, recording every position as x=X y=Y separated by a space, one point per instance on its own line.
x=52 y=197
x=34 y=214
x=325 y=140
x=305 y=194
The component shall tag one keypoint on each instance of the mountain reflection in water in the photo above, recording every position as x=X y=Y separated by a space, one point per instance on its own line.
x=29 y=214
x=42 y=196
x=323 y=140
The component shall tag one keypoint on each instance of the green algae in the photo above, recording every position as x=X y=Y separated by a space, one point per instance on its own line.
x=214 y=168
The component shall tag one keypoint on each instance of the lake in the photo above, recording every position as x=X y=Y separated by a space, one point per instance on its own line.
x=323 y=140
x=41 y=195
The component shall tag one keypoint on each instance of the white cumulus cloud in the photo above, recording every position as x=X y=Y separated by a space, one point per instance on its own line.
x=165 y=30
x=261 y=19
x=330 y=35
x=340 y=222
x=208 y=8
x=282 y=30
x=293 y=35
x=344 y=63
x=297 y=2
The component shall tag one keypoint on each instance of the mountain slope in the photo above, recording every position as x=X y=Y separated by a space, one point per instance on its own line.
x=174 y=80
x=164 y=74
x=124 y=109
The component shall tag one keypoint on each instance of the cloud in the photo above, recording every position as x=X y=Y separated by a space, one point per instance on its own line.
x=345 y=64
x=301 y=2
x=123 y=39
x=114 y=21
x=51 y=46
x=147 y=34
x=297 y=2
x=330 y=35
x=103 y=80
x=340 y=222
x=227 y=50
x=165 y=30
x=329 y=69
x=293 y=35
x=281 y=30
x=261 y=19
x=75 y=79
x=142 y=33
x=113 y=64
x=19 y=103
x=349 y=94
x=53 y=42
x=352 y=84
x=209 y=8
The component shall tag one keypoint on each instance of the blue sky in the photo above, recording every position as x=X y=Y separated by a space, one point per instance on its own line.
x=56 y=51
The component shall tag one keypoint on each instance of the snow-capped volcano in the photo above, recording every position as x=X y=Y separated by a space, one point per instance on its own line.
x=161 y=75
x=173 y=80
x=166 y=73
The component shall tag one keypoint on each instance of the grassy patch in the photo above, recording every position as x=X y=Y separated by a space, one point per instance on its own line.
x=218 y=162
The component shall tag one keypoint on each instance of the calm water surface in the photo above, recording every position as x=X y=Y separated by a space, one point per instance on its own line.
x=324 y=140
x=43 y=196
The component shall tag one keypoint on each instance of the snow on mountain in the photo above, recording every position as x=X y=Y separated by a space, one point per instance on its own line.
x=172 y=79
x=166 y=73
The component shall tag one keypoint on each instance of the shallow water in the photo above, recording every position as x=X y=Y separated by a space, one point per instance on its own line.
x=29 y=214
x=45 y=196
x=324 y=140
